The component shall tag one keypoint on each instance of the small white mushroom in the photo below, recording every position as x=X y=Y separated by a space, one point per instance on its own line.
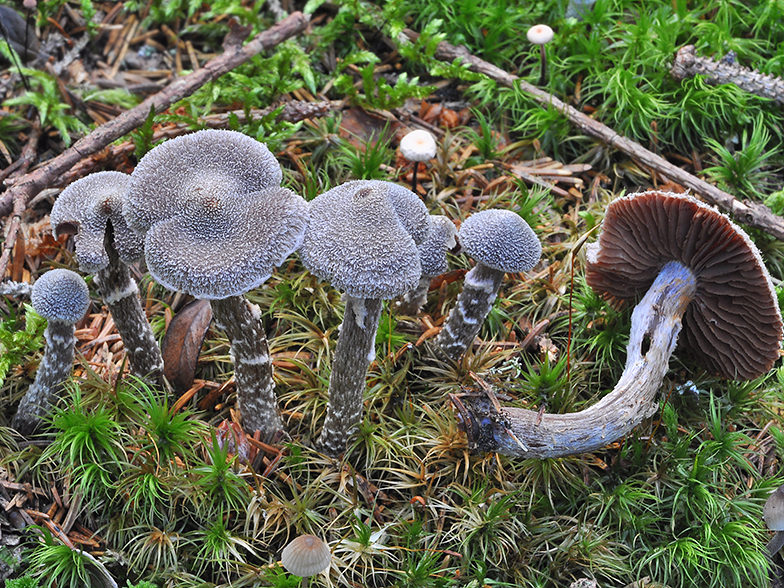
x=418 y=145
x=307 y=555
x=540 y=35
x=363 y=238
x=91 y=210
x=62 y=298
x=499 y=241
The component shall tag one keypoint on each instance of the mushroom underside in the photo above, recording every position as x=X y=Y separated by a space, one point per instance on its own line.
x=656 y=323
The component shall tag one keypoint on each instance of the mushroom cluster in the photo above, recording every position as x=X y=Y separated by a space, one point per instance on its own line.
x=216 y=222
x=697 y=271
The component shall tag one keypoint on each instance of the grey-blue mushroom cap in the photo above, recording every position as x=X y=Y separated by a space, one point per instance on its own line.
x=204 y=165
x=441 y=239
x=60 y=295
x=228 y=247
x=84 y=208
x=363 y=238
x=500 y=239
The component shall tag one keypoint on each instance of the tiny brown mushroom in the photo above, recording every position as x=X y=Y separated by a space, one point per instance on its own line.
x=216 y=224
x=363 y=238
x=62 y=298
x=698 y=271
x=91 y=210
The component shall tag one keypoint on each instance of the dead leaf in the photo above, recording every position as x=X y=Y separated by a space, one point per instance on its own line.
x=182 y=343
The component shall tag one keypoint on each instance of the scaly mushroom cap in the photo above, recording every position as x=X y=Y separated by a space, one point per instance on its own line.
x=500 y=239
x=226 y=246
x=418 y=145
x=204 y=166
x=441 y=239
x=60 y=295
x=307 y=555
x=363 y=238
x=733 y=325
x=773 y=511
x=83 y=208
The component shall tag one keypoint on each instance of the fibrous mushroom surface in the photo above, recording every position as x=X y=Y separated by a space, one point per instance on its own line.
x=734 y=325
x=363 y=238
x=84 y=208
x=197 y=170
x=500 y=239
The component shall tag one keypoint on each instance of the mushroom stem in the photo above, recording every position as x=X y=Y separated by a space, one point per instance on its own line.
x=411 y=302
x=256 y=398
x=776 y=543
x=354 y=353
x=414 y=178
x=54 y=369
x=120 y=294
x=543 y=73
x=656 y=322
x=473 y=305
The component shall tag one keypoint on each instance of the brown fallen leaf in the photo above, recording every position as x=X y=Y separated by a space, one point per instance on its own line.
x=182 y=343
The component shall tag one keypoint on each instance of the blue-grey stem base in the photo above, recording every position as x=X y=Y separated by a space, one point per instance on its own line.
x=776 y=543
x=354 y=353
x=472 y=307
x=256 y=399
x=54 y=369
x=656 y=323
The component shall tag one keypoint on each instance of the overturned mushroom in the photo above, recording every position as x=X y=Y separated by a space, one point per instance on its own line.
x=773 y=513
x=62 y=298
x=702 y=273
x=217 y=222
x=91 y=209
x=499 y=241
x=305 y=556
x=363 y=238
x=432 y=255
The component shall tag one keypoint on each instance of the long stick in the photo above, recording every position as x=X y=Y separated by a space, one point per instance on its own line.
x=234 y=55
x=747 y=213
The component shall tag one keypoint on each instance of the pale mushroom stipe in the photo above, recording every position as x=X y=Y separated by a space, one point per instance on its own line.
x=500 y=241
x=698 y=271
x=217 y=223
x=541 y=34
x=418 y=146
x=362 y=238
x=91 y=210
x=62 y=298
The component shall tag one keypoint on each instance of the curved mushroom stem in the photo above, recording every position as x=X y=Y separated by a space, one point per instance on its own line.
x=256 y=398
x=354 y=353
x=120 y=294
x=473 y=305
x=656 y=322
x=411 y=303
x=54 y=369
